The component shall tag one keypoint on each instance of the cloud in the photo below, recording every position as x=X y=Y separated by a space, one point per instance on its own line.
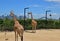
x=53 y=0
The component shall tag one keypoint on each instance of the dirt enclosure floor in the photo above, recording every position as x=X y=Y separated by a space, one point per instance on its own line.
x=40 y=35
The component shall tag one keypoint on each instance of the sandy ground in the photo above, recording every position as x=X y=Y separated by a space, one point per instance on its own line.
x=40 y=35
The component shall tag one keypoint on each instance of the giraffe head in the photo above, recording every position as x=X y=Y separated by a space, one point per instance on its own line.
x=11 y=13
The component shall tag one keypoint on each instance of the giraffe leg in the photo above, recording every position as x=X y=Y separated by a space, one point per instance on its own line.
x=20 y=33
x=32 y=28
x=21 y=36
x=17 y=36
x=35 y=29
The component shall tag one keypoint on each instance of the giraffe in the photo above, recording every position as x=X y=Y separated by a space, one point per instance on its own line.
x=18 y=28
x=33 y=23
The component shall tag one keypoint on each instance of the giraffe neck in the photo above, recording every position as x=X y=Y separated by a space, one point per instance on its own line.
x=14 y=18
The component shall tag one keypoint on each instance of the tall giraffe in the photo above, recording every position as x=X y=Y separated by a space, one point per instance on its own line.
x=33 y=23
x=18 y=28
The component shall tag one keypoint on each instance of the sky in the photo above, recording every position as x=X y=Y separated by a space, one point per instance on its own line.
x=37 y=7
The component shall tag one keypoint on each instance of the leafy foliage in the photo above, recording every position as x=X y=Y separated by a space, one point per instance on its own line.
x=7 y=24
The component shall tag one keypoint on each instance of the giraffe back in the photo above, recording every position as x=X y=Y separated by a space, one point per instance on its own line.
x=34 y=22
x=18 y=25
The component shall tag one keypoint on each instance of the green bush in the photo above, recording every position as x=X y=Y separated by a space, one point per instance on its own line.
x=7 y=24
